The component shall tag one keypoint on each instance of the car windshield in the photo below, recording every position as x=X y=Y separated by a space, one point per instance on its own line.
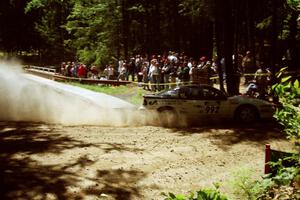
x=209 y=93
x=170 y=93
x=194 y=93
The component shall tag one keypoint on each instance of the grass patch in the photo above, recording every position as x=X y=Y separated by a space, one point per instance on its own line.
x=131 y=93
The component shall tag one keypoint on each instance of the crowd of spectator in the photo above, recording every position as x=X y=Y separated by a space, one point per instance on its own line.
x=78 y=70
x=159 y=72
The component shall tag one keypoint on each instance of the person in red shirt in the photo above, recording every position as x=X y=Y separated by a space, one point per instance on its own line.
x=82 y=71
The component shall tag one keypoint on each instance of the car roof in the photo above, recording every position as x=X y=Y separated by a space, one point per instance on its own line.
x=196 y=86
x=200 y=86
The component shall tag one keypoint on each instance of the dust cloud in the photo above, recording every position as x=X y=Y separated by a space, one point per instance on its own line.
x=24 y=97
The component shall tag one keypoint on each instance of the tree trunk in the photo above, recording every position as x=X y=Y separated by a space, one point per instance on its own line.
x=292 y=39
x=175 y=25
x=250 y=26
x=274 y=38
x=125 y=26
x=218 y=30
x=231 y=76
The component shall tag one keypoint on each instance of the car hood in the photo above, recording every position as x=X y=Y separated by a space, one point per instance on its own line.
x=239 y=99
x=156 y=96
x=247 y=99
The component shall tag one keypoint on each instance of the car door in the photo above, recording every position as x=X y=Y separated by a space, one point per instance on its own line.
x=201 y=102
x=214 y=103
x=192 y=102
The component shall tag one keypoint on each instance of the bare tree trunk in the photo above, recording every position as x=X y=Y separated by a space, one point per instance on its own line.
x=274 y=38
x=175 y=25
x=125 y=26
x=292 y=38
x=218 y=30
x=231 y=77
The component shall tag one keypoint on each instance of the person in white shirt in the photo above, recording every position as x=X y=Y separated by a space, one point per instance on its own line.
x=153 y=74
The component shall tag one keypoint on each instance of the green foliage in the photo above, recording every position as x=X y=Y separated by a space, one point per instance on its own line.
x=295 y=4
x=286 y=175
x=265 y=23
x=281 y=183
x=16 y=27
x=35 y=4
x=94 y=26
x=286 y=170
x=288 y=115
x=203 y=194
x=193 y=8
x=51 y=16
x=97 y=31
x=246 y=187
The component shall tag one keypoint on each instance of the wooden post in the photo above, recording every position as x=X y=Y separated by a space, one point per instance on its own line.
x=267 y=158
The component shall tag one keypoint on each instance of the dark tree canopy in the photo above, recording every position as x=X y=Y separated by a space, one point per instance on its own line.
x=98 y=31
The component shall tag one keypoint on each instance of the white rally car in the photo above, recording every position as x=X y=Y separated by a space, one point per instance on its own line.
x=207 y=102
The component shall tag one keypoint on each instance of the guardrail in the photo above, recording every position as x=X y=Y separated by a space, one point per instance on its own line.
x=57 y=77
x=48 y=69
x=50 y=73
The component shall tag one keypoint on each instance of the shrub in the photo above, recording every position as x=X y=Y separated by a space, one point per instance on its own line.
x=203 y=194
x=288 y=115
x=284 y=182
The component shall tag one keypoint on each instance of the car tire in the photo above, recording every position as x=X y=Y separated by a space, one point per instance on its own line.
x=168 y=117
x=247 y=114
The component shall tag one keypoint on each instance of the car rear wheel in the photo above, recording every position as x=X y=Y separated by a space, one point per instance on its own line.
x=246 y=114
x=168 y=117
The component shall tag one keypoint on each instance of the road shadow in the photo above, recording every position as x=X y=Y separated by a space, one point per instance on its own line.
x=23 y=177
x=227 y=133
x=119 y=184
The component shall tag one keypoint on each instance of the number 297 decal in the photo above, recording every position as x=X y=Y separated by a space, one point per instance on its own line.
x=212 y=109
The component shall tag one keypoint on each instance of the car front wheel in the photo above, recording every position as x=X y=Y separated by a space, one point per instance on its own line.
x=246 y=114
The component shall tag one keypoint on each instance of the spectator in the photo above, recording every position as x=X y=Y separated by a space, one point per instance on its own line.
x=204 y=73
x=120 y=65
x=262 y=79
x=172 y=57
x=74 y=69
x=94 y=72
x=63 y=68
x=183 y=73
x=194 y=75
x=82 y=71
x=138 y=67
x=248 y=66
x=110 y=73
x=166 y=70
x=202 y=62
x=153 y=74
x=123 y=72
x=173 y=73
x=145 y=76
x=68 y=69
x=131 y=69
x=190 y=62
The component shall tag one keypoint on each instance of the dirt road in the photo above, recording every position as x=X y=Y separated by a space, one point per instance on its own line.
x=40 y=161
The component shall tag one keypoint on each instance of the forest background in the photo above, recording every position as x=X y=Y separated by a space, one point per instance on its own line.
x=103 y=31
